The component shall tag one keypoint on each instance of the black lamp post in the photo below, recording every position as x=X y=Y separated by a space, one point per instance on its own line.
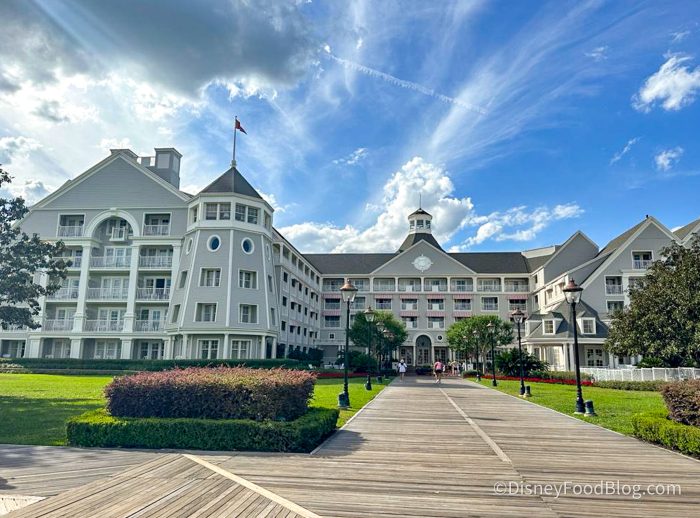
x=572 y=292
x=519 y=317
x=369 y=317
x=389 y=337
x=492 y=333
x=348 y=292
x=476 y=343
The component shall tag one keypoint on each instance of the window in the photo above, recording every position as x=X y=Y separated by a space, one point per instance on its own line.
x=208 y=349
x=463 y=305
x=248 y=279
x=106 y=349
x=248 y=314
x=436 y=322
x=615 y=305
x=548 y=327
x=284 y=325
x=247 y=245
x=224 y=211
x=285 y=277
x=489 y=284
x=176 y=313
x=284 y=301
x=210 y=211
x=273 y=320
x=383 y=304
x=240 y=349
x=268 y=221
x=436 y=304
x=515 y=304
x=193 y=214
x=269 y=283
x=214 y=243
x=489 y=303
x=253 y=215
x=214 y=211
x=331 y=321
x=210 y=277
x=594 y=357
x=189 y=245
x=183 y=278
x=240 y=212
x=205 y=313
x=588 y=326
x=641 y=260
x=331 y=336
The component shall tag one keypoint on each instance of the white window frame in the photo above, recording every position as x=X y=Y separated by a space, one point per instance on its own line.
x=583 y=328
x=554 y=327
x=240 y=313
x=241 y=349
x=198 y=313
x=212 y=345
x=216 y=279
x=253 y=278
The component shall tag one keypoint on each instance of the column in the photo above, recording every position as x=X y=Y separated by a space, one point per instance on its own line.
x=127 y=348
x=261 y=345
x=226 y=346
x=176 y=266
x=168 y=347
x=129 y=316
x=33 y=348
x=274 y=347
x=76 y=348
x=82 y=293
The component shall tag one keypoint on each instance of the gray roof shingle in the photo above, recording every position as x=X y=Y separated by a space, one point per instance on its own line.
x=412 y=239
x=232 y=181
x=620 y=240
x=493 y=262
x=684 y=231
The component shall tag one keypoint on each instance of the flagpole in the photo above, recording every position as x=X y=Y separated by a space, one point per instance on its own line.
x=233 y=159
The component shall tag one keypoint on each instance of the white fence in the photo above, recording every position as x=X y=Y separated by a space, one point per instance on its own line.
x=646 y=374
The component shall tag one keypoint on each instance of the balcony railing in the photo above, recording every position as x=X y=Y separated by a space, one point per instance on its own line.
x=155 y=261
x=333 y=324
x=641 y=264
x=384 y=306
x=57 y=324
x=13 y=327
x=119 y=234
x=70 y=231
x=334 y=306
x=99 y=261
x=409 y=287
x=104 y=325
x=517 y=288
x=613 y=289
x=107 y=293
x=489 y=307
x=515 y=307
x=436 y=325
x=156 y=230
x=384 y=286
x=489 y=287
x=152 y=293
x=463 y=308
x=462 y=287
x=149 y=326
x=436 y=287
x=410 y=324
x=64 y=294
x=75 y=261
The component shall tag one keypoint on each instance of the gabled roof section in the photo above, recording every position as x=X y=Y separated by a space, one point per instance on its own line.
x=419 y=212
x=232 y=181
x=534 y=263
x=412 y=239
x=351 y=264
x=493 y=262
x=685 y=231
x=565 y=244
x=620 y=240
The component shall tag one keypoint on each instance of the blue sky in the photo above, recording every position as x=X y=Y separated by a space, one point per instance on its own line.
x=517 y=122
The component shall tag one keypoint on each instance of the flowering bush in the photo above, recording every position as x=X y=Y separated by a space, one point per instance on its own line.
x=212 y=393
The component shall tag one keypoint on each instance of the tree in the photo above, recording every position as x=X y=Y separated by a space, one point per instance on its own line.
x=21 y=258
x=461 y=338
x=508 y=362
x=382 y=346
x=662 y=322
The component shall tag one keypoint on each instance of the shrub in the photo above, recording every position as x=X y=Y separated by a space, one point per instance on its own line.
x=99 y=429
x=359 y=361
x=508 y=362
x=220 y=393
x=144 y=365
x=683 y=401
x=653 y=386
x=659 y=430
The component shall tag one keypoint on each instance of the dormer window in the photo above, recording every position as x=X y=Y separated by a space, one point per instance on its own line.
x=588 y=326
x=419 y=223
x=412 y=225
x=548 y=327
x=427 y=224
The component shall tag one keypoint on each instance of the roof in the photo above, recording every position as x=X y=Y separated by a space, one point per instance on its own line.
x=419 y=212
x=535 y=262
x=622 y=238
x=684 y=231
x=564 y=330
x=493 y=262
x=412 y=239
x=232 y=181
x=347 y=263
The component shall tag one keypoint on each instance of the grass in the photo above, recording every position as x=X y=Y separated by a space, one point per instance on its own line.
x=614 y=407
x=35 y=407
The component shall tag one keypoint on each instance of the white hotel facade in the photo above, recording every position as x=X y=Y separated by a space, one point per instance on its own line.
x=159 y=273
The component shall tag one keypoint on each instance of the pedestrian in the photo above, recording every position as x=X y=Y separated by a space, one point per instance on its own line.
x=438 y=367
x=402 y=369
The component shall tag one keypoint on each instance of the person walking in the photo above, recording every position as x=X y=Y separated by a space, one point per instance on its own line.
x=438 y=367
x=402 y=369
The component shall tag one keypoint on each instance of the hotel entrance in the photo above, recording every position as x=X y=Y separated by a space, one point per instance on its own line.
x=423 y=347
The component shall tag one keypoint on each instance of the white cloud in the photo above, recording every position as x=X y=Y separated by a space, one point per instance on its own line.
x=667 y=158
x=451 y=215
x=679 y=36
x=617 y=156
x=674 y=86
x=598 y=53
x=30 y=190
x=353 y=158
x=11 y=147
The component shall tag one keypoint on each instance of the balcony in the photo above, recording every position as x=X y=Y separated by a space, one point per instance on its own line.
x=641 y=264
x=107 y=293
x=120 y=263
x=70 y=231
x=613 y=289
x=156 y=230
x=436 y=325
x=149 y=326
x=64 y=294
x=383 y=306
x=410 y=324
x=104 y=326
x=156 y=262
x=61 y=324
x=489 y=287
x=13 y=328
x=334 y=306
x=119 y=234
x=384 y=286
x=75 y=261
x=516 y=288
x=152 y=293
x=489 y=307
x=409 y=287
x=460 y=287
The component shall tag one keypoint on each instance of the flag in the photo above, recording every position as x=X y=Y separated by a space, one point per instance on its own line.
x=239 y=127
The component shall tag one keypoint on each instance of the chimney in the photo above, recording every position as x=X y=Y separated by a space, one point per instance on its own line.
x=167 y=165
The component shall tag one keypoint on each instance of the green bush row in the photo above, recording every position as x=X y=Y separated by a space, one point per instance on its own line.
x=659 y=430
x=99 y=429
x=653 y=386
x=559 y=375
x=143 y=365
x=682 y=399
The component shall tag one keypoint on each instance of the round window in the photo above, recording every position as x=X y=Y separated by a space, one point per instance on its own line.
x=247 y=245
x=439 y=338
x=214 y=243
x=189 y=245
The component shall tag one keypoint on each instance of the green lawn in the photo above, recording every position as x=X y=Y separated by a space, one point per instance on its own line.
x=614 y=407
x=34 y=407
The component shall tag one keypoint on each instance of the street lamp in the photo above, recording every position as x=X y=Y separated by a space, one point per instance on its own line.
x=492 y=333
x=389 y=337
x=348 y=292
x=476 y=343
x=519 y=317
x=572 y=292
x=369 y=317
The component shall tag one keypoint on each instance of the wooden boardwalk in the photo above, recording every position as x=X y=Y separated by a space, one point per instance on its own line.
x=417 y=450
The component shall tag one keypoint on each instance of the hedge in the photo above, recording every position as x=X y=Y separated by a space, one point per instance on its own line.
x=33 y=364
x=212 y=393
x=683 y=401
x=660 y=430
x=99 y=429
x=652 y=386
x=530 y=379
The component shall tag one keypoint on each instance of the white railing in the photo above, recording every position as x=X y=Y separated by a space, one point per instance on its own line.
x=641 y=264
x=119 y=234
x=100 y=261
x=489 y=307
x=517 y=288
x=409 y=307
x=107 y=293
x=436 y=325
x=463 y=308
x=75 y=261
x=70 y=231
x=437 y=287
x=613 y=289
x=156 y=230
x=57 y=324
x=152 y=293
x=149 y=326
x=489 y=287
x=384 y=286
x=335 y=306
x=146 y=261
x=436 y=307
x=64 y=294
x=515 y=307
x=407 y=287
x=331 y=324
x=384 y=306
x=13 y=327
x=646 y=374
x=462 y=288
x=104 y=325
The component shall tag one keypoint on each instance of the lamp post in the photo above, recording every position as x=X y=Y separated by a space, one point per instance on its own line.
x=572 y=292
x=476 y=343
x=519 y=317
x=369 y=317
x=348 y=292
x=492 y=333
x=389 y=337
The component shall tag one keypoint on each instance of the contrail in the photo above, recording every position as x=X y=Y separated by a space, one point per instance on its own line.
x=409 y=85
